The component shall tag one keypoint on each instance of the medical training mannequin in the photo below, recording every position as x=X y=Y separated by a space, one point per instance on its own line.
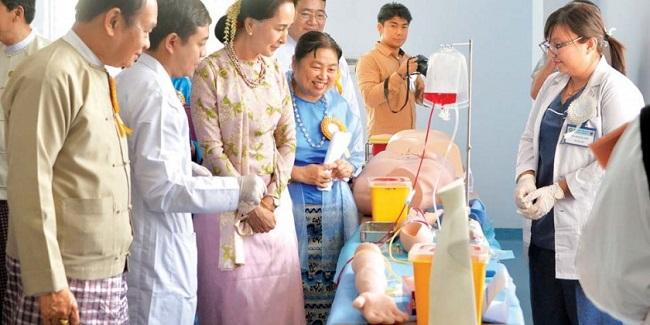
x=390 y=163
x=376 y=306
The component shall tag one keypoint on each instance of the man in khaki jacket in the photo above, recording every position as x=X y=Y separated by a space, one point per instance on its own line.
x=17 y=42
x=69 y=181
x=384 y=73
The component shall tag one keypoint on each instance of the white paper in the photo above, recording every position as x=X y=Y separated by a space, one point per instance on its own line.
x=337 y=148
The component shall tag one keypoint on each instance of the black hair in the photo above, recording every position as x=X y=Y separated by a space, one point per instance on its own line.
x=28 y=7
x=393 y=9
x=87 y=10
x=178 y=16
x=313 y=40
x=256 y=9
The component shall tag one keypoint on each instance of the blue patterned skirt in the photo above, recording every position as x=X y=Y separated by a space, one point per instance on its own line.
x=317 y=282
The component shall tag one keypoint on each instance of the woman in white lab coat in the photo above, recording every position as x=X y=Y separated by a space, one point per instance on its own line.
x=557 y=175
x=162 y=275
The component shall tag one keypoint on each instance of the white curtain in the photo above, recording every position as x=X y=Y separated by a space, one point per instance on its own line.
x=217 y=8
x=55 y=17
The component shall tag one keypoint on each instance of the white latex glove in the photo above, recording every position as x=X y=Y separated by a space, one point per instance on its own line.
x=525 y=185
x=545 y=200
x=251 y=190
x=198 y=170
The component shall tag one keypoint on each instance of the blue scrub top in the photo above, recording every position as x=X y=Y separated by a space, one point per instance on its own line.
x=543 y=229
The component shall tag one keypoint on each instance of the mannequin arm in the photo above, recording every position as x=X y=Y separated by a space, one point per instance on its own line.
x=375 y=305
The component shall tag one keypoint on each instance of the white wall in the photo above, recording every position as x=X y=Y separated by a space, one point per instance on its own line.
x=503 y=55
x=630 y=18
x=55 y=17
x=217 y=8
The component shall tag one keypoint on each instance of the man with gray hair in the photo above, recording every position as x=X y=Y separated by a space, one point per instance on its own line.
x=69 y=181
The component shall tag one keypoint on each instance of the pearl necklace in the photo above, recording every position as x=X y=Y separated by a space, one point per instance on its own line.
x=235 y=62
x=301 y=125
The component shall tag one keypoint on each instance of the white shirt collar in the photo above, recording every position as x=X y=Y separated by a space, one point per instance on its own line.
x=73 y=39
x=13 y=49
x=155 y=65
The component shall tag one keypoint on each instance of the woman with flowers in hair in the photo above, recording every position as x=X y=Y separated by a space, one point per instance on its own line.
x=241 y=106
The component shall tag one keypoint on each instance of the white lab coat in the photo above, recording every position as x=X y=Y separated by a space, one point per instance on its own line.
x=613 y=259
x=284 y=55
x=618 y=101
x=162 y=275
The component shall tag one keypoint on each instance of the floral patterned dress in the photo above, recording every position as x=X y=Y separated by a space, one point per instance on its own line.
x=246 y=130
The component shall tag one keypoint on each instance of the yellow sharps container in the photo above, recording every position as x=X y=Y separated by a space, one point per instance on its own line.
x=388 y=198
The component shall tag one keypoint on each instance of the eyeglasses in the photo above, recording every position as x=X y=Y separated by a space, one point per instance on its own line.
x=547 y=46
x=307 y=15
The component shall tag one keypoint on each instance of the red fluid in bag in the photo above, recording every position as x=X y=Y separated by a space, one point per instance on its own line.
x=440 y=98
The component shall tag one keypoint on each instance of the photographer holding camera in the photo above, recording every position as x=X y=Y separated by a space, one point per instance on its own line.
x=387 y=75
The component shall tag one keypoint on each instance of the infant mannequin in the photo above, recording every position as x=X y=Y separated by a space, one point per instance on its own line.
x=376 y=306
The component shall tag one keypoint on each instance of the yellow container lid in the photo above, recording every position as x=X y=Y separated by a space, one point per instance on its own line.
x=390 y=182
x=379 y=138
x=422 y=252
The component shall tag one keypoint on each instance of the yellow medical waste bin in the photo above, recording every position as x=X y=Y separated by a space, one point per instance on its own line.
x=388 y=198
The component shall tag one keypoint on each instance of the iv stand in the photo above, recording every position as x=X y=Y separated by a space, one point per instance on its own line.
x=468 y=155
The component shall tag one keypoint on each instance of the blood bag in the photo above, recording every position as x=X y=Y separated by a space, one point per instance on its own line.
x=446 y=82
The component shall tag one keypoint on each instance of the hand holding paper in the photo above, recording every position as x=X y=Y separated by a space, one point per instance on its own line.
x=337 y=148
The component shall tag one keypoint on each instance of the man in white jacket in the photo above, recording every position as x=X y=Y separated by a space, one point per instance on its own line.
x=613 y=260
x=167 y=185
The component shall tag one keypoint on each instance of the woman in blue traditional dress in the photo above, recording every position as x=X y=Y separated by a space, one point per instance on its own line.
x=324 y=219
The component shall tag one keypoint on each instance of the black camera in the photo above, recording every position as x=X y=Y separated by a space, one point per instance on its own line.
x=422 y=62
